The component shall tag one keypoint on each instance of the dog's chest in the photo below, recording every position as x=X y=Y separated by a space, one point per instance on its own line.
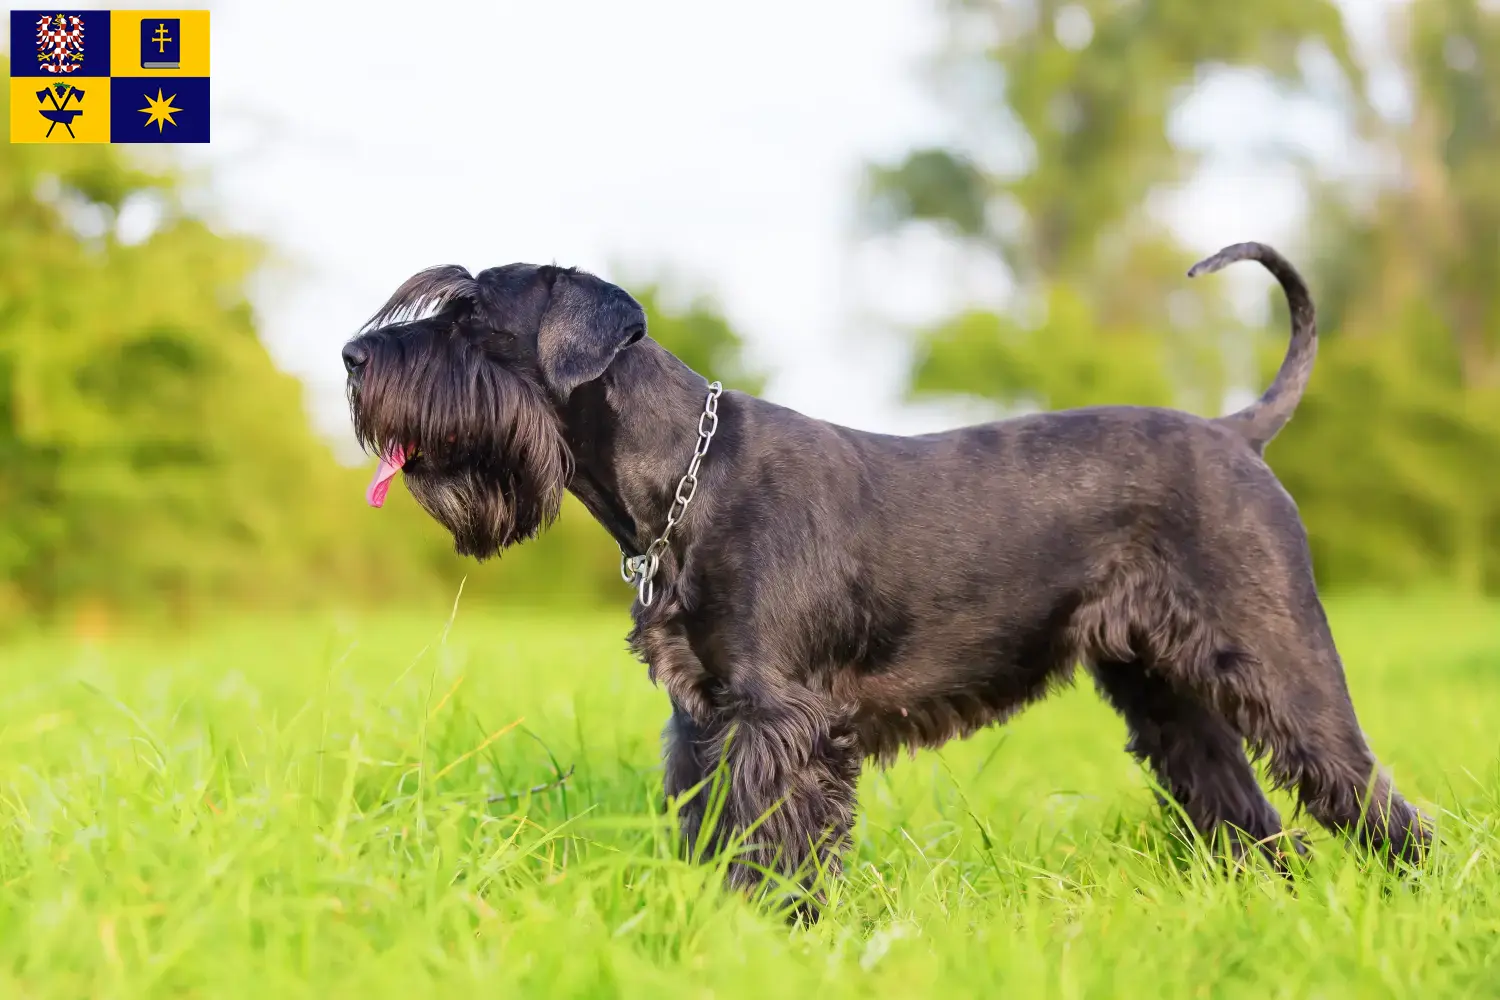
x=672 y=662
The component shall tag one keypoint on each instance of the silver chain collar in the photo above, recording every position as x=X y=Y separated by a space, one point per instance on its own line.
x=640 y=571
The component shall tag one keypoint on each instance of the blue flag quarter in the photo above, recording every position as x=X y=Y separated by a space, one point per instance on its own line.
x=59 y=45
x=158 y=109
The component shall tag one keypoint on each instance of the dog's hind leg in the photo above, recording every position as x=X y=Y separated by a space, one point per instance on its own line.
x=1303 y=716
x=1292 y=702
x=1195 y=755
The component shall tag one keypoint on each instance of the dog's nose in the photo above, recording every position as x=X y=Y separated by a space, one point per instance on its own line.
x=355 y=356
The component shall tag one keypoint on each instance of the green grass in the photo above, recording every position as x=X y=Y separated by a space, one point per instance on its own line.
x=288 y=810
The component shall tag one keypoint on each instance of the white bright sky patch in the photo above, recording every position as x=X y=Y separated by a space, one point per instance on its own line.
x=720 y=143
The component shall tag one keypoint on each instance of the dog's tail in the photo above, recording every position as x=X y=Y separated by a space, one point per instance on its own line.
x=1261 y=420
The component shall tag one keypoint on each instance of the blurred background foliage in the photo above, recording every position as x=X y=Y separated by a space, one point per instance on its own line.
x=154 y=462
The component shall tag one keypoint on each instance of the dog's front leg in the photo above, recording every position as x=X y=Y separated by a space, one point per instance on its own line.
x=685 y=746
x=790 y=765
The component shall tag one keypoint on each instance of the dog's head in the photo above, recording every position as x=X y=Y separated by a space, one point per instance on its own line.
x=458 y=383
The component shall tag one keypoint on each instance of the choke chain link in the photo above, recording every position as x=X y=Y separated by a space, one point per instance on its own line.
x=640 y=571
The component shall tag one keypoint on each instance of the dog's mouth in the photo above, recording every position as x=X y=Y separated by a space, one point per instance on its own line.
x=391 y=462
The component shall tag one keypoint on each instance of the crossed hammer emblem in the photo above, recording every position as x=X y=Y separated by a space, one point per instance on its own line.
x=60 y=113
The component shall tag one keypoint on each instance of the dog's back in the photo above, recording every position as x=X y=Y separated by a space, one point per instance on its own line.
x=952 y=574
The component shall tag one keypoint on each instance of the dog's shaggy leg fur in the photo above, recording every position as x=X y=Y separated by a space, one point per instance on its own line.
x=686 y=776
x=1197 y=758
x=791 y=763
x=771 y=767
x=1296 y=707
x=1262 y=668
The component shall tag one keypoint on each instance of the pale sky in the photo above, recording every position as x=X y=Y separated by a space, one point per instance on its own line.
x=717 y=142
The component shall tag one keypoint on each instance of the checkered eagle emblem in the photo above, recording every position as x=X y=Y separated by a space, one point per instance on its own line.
x=59 y=43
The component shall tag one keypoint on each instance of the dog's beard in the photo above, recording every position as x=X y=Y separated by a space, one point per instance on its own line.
x=484 y=513
x=479 y=446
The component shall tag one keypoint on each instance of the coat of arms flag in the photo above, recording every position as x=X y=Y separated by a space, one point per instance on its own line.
x=109 y=76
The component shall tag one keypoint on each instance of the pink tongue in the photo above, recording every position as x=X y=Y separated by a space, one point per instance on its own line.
x=390 y=464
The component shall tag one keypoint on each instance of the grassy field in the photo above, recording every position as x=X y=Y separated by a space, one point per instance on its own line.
x=324 y=809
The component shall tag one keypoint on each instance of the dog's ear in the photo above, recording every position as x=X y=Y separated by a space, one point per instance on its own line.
x=588 y=321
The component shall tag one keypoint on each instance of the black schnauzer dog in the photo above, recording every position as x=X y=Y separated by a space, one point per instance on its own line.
x=812 y=596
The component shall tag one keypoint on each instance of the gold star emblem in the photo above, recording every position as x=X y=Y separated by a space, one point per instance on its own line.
x=160 y=110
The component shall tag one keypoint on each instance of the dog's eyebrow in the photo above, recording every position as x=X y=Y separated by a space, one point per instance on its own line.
x=424 y=293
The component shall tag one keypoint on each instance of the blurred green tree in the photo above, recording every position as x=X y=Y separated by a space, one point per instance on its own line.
x=1066 y=108
x=149 y=451
x=1396 y=455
